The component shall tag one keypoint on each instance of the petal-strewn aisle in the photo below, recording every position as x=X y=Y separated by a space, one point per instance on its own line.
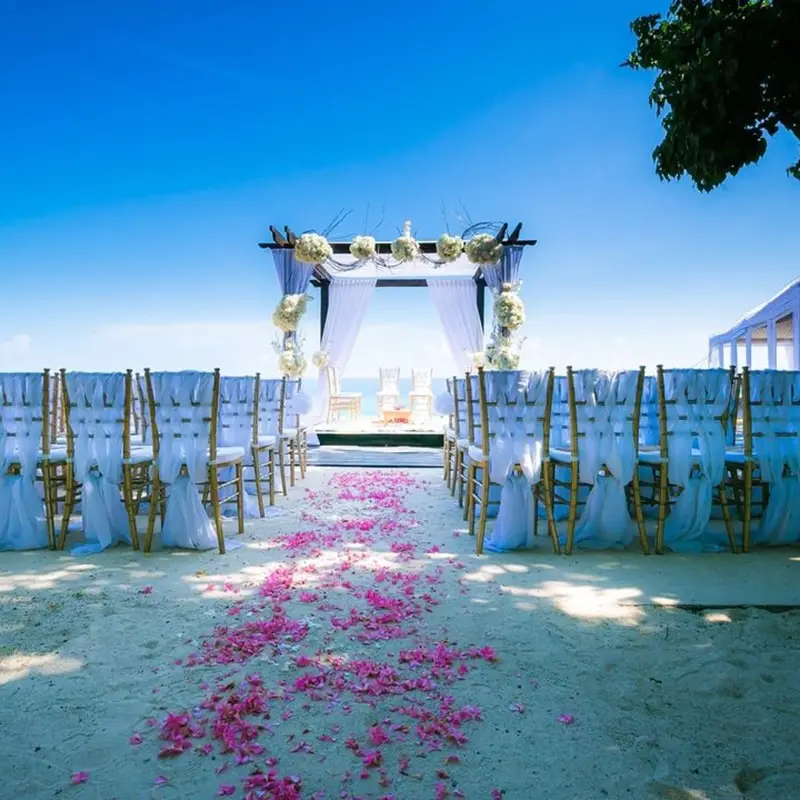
x=334 y=656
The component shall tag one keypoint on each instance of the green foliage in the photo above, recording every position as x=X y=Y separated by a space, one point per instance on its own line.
x=728 y=77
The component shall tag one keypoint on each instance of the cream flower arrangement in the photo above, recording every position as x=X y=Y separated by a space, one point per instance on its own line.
x=362 y=247
x=505 y=357
x=311 y=248
x=483 y=249
x=449 y=248
x=320 y=359
x=405 y=247
x=509 y=310
x=288 y=312
x=478 y=359
x=292 y=363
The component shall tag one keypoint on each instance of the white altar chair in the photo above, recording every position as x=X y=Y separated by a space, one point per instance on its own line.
x=388 y=390
x=104 y=472
x=338 y=400
x=765 y=469
x=184 y=414
x=420 y=398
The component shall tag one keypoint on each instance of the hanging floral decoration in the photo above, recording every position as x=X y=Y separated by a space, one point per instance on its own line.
x=478 y=359
x=405 y=248
x=484 y=249
x=292 y=362
x=505 y=356
x=289 y=311
x=312 y=248
x=509 y=310
x=320 y=359
x=449 y=248
x=363 y=247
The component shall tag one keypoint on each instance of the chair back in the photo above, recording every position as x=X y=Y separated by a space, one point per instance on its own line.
x=236 y=411
x=771 y=421
x=460 y=404
x=24 y=419
x=389 y=380
x=421 y=380
x=184 y=409
x=270 y=406
x=97 y=406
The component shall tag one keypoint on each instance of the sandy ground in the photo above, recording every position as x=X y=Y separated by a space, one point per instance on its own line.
x=373 y=656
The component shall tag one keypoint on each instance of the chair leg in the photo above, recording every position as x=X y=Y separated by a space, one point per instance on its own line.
x=548 y=471
x=484 y=509
x=748 y=506
x=257 y=480
x=573 y=507
x=240 y=493
x=637 y=507
x=49 y=505
x=130 y=508
x=292 y=462
x=282 y=466
x=69 y=503
x=471 y=498
x=213 y=482
x=663 y=500
x=155 y=495
x=271 y=470
x=302 y=447
x=456 y=471
x=726 y=516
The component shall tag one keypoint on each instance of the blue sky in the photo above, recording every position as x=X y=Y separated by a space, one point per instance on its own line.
x=144 y=150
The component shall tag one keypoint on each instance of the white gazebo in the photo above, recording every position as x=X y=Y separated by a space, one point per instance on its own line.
x=768 y=336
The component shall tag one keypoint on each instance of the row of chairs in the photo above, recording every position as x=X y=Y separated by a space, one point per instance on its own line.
x=115 y=442
x=603 y=451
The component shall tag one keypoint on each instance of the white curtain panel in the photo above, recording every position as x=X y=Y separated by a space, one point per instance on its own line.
x=348 y=300
x=455 y=301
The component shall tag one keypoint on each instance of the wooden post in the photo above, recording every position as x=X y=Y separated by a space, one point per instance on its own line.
x=480 y=299
x=324 y=286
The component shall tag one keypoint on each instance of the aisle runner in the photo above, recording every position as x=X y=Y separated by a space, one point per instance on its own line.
x=377 y=687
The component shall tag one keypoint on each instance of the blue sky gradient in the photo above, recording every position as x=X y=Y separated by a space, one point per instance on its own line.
x=145 y=150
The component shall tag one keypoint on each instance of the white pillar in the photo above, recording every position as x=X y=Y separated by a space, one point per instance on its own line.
x=734 y=352
x=720 y=355
x=796 y=337
x=772 y=345
x=748 y=348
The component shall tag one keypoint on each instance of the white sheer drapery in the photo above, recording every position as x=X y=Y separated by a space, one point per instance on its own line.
x=455 y=301
x=96 y=420
x=183 y=418
x=605 y=409
x=22 y=523
x=506 y=270
x=696 y=401
x=348 y=300
x=775 y=415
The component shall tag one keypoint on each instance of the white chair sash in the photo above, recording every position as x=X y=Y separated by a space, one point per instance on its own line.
x=22 y=522
x=183 y=418
x=606 y=403
x=776 y=451
x=701 y=396
x=96 y=419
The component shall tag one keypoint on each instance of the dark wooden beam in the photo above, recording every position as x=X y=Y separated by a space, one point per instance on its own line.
x=323 y=308
x=385 y=248
x=398 y=283
x=480 y=300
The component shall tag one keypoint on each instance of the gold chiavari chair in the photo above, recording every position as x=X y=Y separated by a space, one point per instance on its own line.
x=181 y=420
x=338 y=400
x=95 y=414
x=495 y=413
x=591 y=414
x=263 y=445
x=764 y=469
x=677 y=416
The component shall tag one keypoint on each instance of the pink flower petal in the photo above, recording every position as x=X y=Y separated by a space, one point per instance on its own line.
x=79 y=777
x=566 y=719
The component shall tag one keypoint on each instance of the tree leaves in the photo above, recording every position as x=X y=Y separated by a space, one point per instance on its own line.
x=728 y=77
